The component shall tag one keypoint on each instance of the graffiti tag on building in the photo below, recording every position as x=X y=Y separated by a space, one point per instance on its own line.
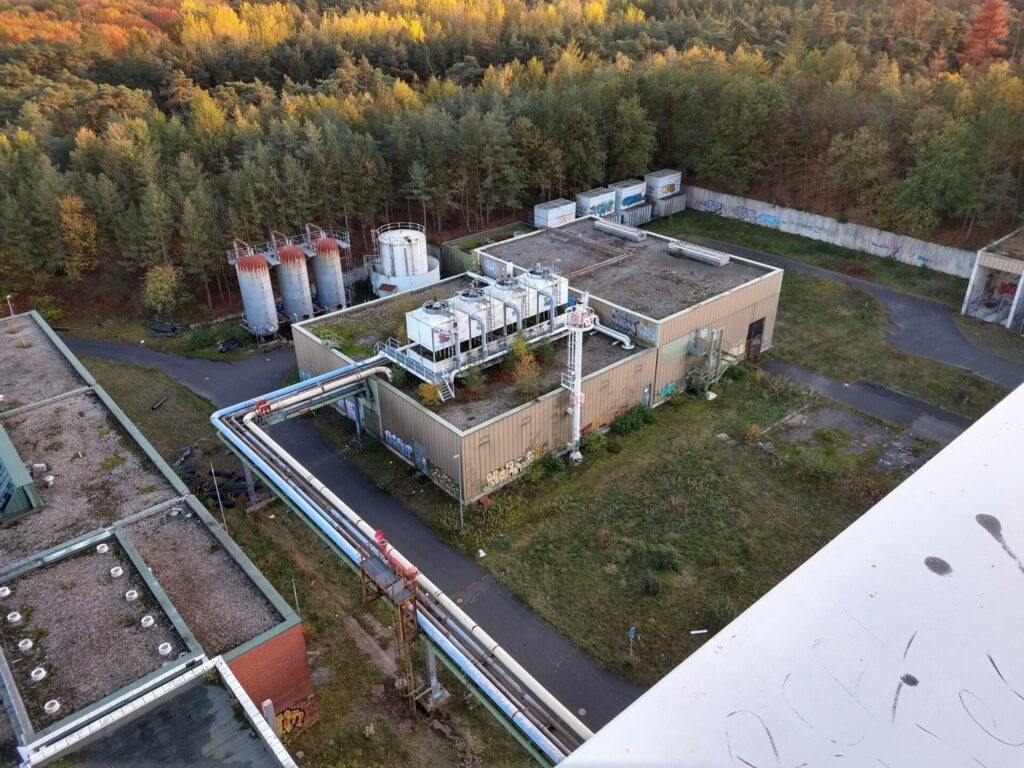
x=892 y=250
x=769 y=220
x=669 y=389
x=633 y=325
x=398 y=444
x=510 y=469
x=442 y=479
x=289 y=720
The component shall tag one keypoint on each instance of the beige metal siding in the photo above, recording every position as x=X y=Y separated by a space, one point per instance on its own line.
x=1002 y=263
x=497 y=451
x=412 y=423
x=313 y=357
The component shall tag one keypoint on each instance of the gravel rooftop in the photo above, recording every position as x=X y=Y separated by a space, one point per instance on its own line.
x=500 y=394
x=99 y=474
x=103 y=649
x=31 y=368
x=653 y=281
x=214 y=596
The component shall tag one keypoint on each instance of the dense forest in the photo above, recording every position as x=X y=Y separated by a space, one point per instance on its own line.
x=140 y=136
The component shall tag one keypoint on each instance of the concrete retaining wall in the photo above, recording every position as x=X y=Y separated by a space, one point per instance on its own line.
x=877 y=242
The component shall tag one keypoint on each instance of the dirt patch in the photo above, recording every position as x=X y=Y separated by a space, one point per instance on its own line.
x=31 y=368
x=218 y=602
x=86 y=635
x=99 y=474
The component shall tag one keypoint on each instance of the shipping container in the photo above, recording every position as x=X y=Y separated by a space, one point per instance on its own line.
x=595 y=202
x=662 y=184
x=628 y=193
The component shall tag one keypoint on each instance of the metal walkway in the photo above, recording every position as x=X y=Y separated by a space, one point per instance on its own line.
x=548 y=730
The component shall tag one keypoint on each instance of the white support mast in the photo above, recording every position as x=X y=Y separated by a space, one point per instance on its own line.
x=579 y=320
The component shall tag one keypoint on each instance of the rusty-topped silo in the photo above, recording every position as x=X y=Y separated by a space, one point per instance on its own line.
x=328 y=274
x=293 y=277
x=257 y=295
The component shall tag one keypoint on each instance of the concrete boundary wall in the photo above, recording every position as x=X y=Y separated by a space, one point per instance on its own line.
x=877 y=242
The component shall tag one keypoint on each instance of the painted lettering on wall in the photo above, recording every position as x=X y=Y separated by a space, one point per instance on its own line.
x=743 y=213
x=510 y=469
x=442 y=479
x=289 y=720
x=633 y=325
x=712 y=206
x=769 y=220
x=892 y=250
x=398 y=444
x=669 y=389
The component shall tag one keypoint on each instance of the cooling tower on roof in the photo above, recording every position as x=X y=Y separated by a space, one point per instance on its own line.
x=260 y=311
x=401 y=262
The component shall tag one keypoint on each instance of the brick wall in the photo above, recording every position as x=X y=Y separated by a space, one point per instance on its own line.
x=278 y=670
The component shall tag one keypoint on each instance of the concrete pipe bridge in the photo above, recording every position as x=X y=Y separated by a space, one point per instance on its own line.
x=542 y=724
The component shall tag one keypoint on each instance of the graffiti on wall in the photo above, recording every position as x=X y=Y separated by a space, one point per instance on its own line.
x=510 y=469
x=769 y=220
x=892 y=250
x=712 y=206
x=633 y=325
x=441 y=478
x=398 y=444
x=743 y=213
x=289 y=720
x=669 y=389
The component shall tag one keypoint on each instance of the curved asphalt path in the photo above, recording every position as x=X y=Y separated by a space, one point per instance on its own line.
x=577 y=681
x=917 y=326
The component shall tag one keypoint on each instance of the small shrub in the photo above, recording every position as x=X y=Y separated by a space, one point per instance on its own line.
x=200 y=339
x=398 y=375
x=720 y=611
x=735 y=373
x=831 y=437
x=544 y=351
x=474 y=380
x=430 y=395
x=613 y=446
x=593 y=442
x=112 y=462
x=752 y=432
x=652 y=584
x=242 y=336
x=528 y=387
x=663 y=558
x=551 y=462
x=604 y=539
x=632 y=420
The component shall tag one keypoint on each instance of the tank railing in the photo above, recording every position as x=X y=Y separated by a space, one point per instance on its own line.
x=398 y=225
x=305 y=240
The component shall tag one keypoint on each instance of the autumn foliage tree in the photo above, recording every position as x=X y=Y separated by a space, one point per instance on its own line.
x=80 y=237
x=983 y=43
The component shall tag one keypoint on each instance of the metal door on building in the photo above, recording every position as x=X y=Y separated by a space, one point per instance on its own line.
x=647 y=396
x=755 y=336
x=419 y=457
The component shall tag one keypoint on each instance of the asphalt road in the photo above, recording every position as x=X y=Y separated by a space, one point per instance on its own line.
x=917 y=326
x=576 y=680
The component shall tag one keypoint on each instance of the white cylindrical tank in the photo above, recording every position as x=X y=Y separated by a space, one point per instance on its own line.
x=327 y=274
x=402 y=250
x=257 y=295
x=293 y=277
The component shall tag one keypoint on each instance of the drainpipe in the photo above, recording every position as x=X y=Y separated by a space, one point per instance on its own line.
x=550 y=298
x=627 y=343
x=483 y=331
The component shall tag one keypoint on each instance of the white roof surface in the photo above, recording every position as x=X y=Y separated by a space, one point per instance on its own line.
x=898 y=645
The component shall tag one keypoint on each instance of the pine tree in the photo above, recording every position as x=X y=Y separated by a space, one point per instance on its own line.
x=982 y=43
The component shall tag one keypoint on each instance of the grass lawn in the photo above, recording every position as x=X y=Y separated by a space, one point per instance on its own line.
x=200 y=342
x=993 y=338
x=840 y=331
x=363 y=721
x=668 y=529
x=903 y=277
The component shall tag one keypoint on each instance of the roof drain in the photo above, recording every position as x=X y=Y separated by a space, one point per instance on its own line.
x=5 y=592
x=102 y=549
x=14 y=617
x=131 y=595
x=116 y=571
x=38 y=675
x=147 y=621
x=164 y=649
x=52 y=707
x=25 y=645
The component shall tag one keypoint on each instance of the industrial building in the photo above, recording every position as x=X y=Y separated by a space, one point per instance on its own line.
x=132 y=628
x=993 y=293
x=630 y=317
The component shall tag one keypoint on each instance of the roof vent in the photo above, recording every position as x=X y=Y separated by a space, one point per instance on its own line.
x=39 y=469
x=5 y=592
x=437 y=307
x=147 y=621
x=52 y=707
x=102 y=549
x=14 y=617
x=164 y=649
x=38 y=674
x=25 y=645
x=116 y=571
x=48 y=481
